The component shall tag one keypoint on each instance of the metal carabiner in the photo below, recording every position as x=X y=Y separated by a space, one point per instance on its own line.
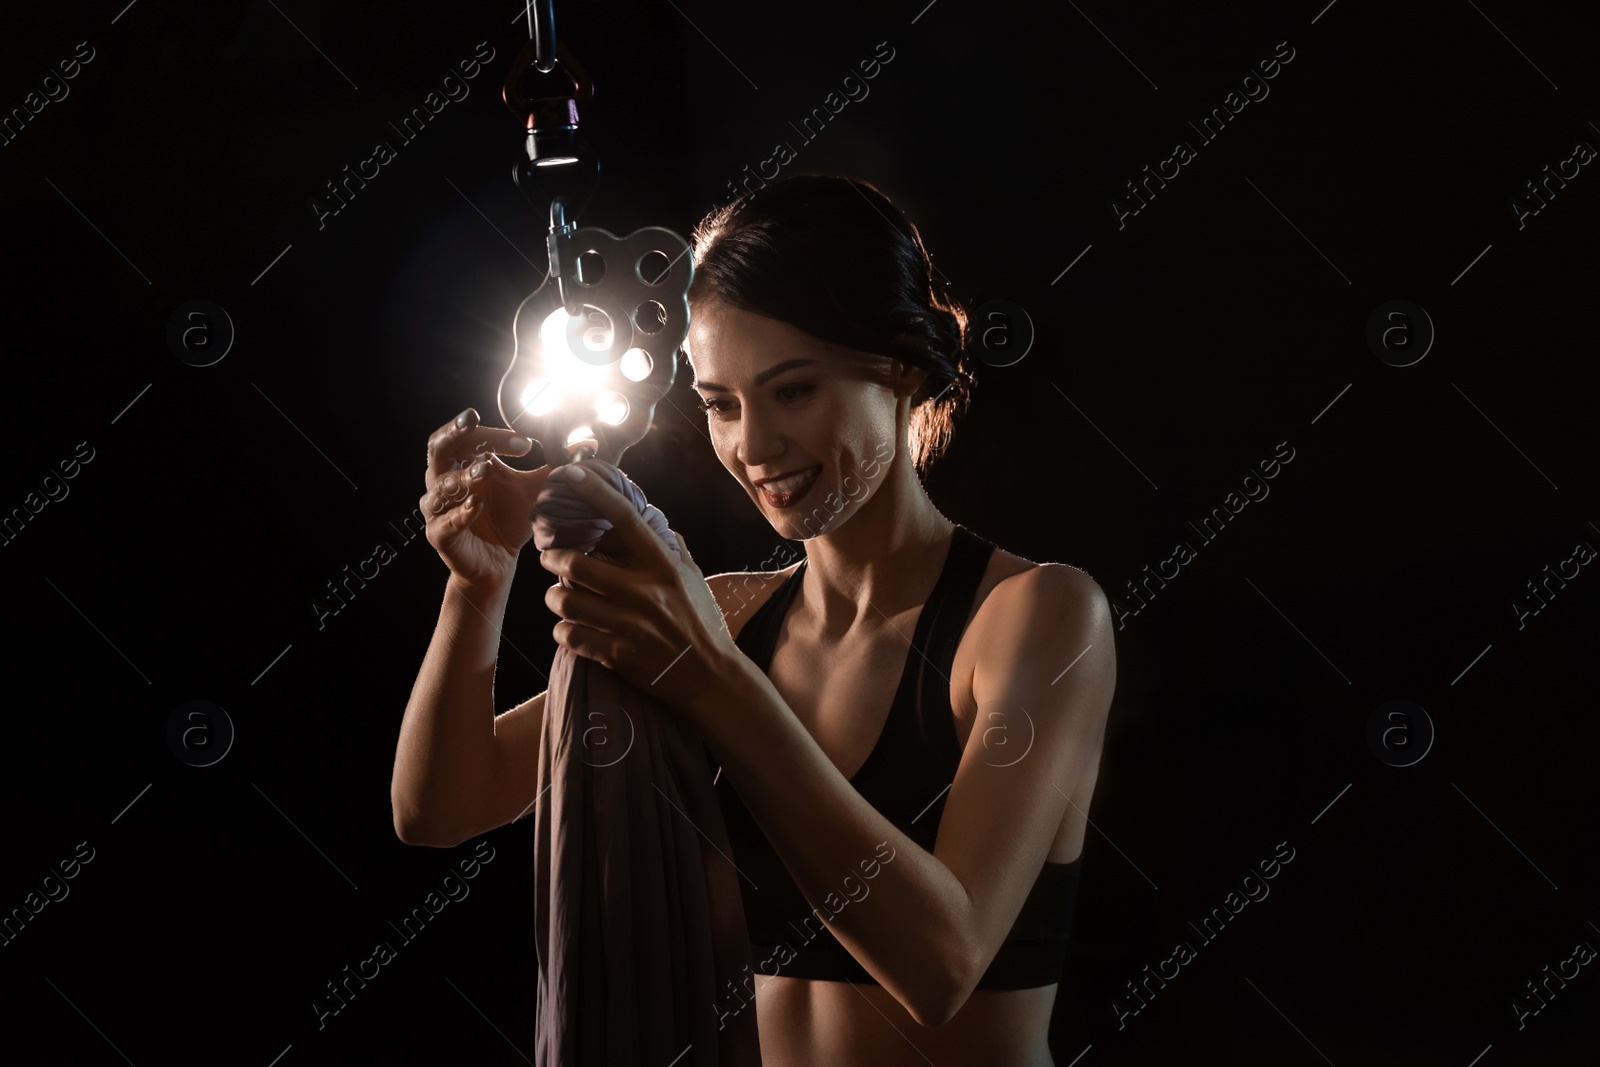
x=542 y=29
x=554 y=161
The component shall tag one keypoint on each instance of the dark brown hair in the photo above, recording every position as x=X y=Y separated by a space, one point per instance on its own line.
x=834 y=257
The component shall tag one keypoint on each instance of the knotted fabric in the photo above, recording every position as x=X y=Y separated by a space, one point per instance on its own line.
x=638 y=918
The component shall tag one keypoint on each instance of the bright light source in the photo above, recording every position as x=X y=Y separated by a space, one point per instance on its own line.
x=636 y=364
x=541 y=396
x=582 y=433
x=555 y=161
x=571 y=373
x=611 y=407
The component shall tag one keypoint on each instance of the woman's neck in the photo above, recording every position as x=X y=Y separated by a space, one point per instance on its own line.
x=880 y=562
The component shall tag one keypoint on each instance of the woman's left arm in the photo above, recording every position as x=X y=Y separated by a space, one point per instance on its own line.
x=929 y=924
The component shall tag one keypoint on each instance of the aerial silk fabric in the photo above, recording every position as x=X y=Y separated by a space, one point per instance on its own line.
x=639 y=922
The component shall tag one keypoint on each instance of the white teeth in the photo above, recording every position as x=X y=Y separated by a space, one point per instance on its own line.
x=789 y=484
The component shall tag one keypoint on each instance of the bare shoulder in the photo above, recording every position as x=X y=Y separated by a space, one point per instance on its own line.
x=1018 y=594
x=740 y=593
x=1015 y=582
x=1021 y=601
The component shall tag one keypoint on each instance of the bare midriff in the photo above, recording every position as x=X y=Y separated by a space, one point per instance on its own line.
x=804 y=1022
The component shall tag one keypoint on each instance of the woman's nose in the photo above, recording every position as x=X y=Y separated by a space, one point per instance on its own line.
x=759 y=443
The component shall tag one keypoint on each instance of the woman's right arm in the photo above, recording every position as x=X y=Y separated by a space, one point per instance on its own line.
x=459 y=769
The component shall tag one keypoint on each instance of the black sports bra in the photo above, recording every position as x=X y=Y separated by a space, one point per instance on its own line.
x=906 y=778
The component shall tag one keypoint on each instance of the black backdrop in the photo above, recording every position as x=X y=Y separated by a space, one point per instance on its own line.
x=1174 y=349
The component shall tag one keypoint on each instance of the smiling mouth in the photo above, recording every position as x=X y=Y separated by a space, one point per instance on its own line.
x=792 y=488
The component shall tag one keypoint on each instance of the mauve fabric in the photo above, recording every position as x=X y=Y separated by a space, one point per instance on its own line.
x=638 y=918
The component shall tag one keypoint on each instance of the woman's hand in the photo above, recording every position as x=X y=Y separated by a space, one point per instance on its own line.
x=652 y=618
x=478 y=510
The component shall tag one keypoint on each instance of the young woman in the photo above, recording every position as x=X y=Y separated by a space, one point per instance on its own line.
x=905 y=724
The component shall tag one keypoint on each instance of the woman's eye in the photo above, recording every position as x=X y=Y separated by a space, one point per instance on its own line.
x=793 y=391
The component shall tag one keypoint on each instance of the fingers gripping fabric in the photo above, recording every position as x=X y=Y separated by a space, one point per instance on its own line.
x=639 y=922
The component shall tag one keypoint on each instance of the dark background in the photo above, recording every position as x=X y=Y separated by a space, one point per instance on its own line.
x=1222 y=319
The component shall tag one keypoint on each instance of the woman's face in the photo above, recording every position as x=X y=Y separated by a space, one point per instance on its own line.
x=780 y=402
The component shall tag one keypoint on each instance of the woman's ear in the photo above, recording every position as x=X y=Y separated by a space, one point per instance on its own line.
x=908 y=378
